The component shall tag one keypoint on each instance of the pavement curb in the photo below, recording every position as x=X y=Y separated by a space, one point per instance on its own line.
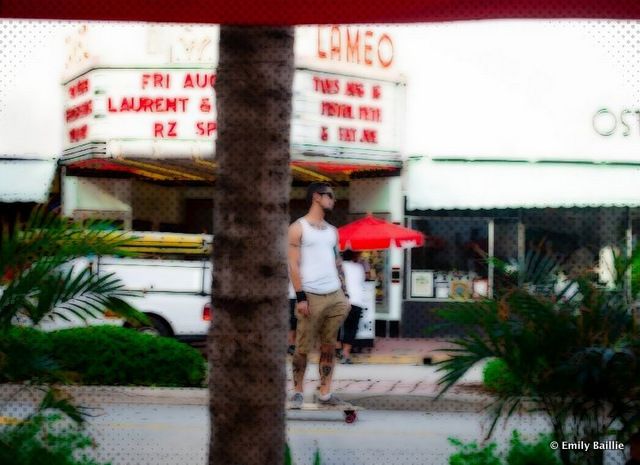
x=94 y=396
x=393 y=359
x=448 y=403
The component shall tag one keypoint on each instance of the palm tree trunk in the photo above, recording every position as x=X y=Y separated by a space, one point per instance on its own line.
x=247 y=340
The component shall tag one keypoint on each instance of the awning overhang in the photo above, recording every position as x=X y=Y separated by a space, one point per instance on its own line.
x=433 y=184
x=341 y=170
x=26 y=179
x=202 y=171
x=179 y=171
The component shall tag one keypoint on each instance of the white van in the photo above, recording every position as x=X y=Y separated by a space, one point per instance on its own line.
x=172 y=280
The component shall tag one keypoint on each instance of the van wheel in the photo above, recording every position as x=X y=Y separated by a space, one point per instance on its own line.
x=158 y=327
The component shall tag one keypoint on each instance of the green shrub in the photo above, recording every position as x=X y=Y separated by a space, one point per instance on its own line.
x=118 y=356
x=519 y=453
x=25 y=354
x=472 y=454
x=537 y=453
x=497 y=377
x=107 y=355
x=289 y=461
x=287 y=455
x=45 y=438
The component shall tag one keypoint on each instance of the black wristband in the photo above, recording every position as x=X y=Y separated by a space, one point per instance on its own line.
x=301 y=296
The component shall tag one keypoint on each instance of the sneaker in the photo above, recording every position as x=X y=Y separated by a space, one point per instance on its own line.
x=347 y=361
x=297 y=400
x=332 y=401
x=339 y=354
x=291 y=350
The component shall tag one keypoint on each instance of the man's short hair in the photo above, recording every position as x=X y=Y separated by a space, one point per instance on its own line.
x=349 y=255
x=316 y=187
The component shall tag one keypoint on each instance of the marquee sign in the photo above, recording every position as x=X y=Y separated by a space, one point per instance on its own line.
x=141 y=105
x=144 y=112
x=350 y=113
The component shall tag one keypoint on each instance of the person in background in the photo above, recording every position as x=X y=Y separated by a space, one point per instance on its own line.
x=368 y=274
x=293 y=321
x=354 y=275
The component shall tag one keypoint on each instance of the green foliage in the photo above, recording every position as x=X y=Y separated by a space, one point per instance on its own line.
x=519 y=453
x=572 y=350
x=45 y=439
x=25 y=354
x=53 y=435
x=287 y=455
x=537 y=453
x=497 y=377
x=472 y=454
x=38 y=280
x=289 y=461
x=107 y=355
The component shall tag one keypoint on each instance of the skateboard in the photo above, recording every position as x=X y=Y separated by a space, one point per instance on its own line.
x=350 y=411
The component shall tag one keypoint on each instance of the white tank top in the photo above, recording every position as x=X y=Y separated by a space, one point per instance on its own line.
x=354 y=282
x=318 y=270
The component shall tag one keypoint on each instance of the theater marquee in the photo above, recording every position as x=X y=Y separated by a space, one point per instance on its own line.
x=347 y=101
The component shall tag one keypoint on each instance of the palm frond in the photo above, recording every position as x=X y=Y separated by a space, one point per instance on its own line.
x=55 y=399
x=46 y=234
x=86 y=296
x=41 y=277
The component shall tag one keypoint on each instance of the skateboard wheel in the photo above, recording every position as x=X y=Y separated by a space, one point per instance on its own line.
x=350 y=417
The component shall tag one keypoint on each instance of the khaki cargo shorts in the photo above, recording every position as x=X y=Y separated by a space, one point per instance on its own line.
x=328 y=312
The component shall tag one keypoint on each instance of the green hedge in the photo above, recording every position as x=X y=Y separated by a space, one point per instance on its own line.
x=25 y=354
x=106 y=355
x=497 y=377
x=537 y=452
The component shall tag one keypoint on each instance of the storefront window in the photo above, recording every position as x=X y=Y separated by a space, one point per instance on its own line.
x=575 y=238
x=452 y=264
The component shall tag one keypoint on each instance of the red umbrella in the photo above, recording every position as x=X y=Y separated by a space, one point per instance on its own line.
x=371 y=233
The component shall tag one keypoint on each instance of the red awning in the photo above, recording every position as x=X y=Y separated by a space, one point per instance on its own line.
x=294 y=12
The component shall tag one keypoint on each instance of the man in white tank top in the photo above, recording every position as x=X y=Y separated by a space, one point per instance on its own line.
x=316 y=274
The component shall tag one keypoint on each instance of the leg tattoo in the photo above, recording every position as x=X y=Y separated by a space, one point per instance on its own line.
x=326 y=364
x=325 y=373
x=299 y=365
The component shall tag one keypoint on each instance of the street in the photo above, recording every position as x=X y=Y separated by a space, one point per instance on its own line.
x=130 y=434
x=178 y=435
x=155 y=426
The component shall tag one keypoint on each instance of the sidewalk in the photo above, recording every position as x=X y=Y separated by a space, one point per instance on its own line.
x=402 y=351
x=372 y=386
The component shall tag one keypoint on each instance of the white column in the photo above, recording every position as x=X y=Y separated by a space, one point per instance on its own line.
x=396 y=256
x=68 y=193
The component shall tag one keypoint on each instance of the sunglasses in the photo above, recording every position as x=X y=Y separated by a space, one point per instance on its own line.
x=329 y=194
